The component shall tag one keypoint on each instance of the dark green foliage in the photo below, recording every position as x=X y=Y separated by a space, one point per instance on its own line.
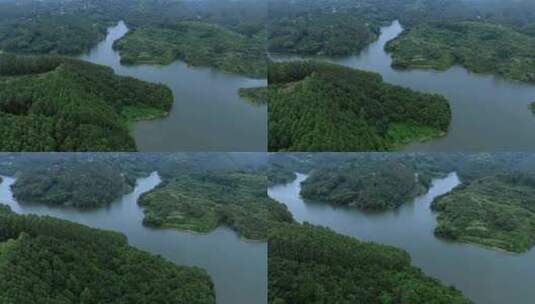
x=366 y=184
x=135 y=165
x=328 y=27
x=532 y=107
x=257 y=96
x=74 y=183
x=310 y=264
x=494 y=206
x=5 y=209
x=496 y=211
x=320 y=33
x=46 y=260
x=59 y=27
x=75 y=26
x=196 y=43
x=468 y=166
x=283 y=166
x=203 y=201
x=480 y=47
x=87 y=180
x=12 y=65
x=519 y=14
x=316 y=106
x=61 y=104
x=278 y=175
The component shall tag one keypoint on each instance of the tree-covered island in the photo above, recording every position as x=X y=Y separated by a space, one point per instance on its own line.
x=317 y=106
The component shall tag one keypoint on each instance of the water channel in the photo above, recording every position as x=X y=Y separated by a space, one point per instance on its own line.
x=237 y=267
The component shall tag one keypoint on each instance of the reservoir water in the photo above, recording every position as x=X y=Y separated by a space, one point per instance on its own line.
x=488 y=114
x=484 y=275
x=207 y=113
x=238 y=268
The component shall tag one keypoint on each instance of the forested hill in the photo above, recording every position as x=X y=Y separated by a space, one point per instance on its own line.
x=489 y=36
x=310 y=264
x=316 y=106
x=46 y=260
x=59 y=27
x=367 y=185
x=75 y=26
x=71 y=27
x=496 y=211
x=283 y=166
x=468 y=166
x=89 y=180
x=198 y=44
x=328 y=27
x=493 y=206
x=481 y=47
x=50 y=103
x=73 y=183
x=204 y=201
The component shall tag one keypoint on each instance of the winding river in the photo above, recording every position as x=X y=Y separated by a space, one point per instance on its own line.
x=207 y=113
x=488 y=114
x=238 y=268
x=484 y=275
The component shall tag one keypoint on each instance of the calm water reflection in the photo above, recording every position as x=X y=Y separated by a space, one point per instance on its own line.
x=238 y=268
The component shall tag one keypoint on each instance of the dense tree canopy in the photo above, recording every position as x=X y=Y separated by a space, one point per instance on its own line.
x=196 y=43
x=95 y=179
x=226 y=34
x=366 y=184
x=60 y=104
x=203 y=201
x=328 y=27
x=317 y=106
x=496 y=211
x=481 y=47
x=493 y=206
x=256 y=96
x=310 y=264
x=59 y=27
x=46 y=260
x=74 y=183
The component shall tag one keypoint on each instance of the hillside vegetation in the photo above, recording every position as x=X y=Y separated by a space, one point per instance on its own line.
x=75 y=26
x=496 y=211
x=320 y=33
x=256 y=96
x=316 y=106
x=46 y=260
x=52 y=103
x=328 y=27
x=56 y=27
x=77 y=184
x=366 y=185
x=196 y=43
x=478 y=46
x=310 y=264
x=204 y=201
